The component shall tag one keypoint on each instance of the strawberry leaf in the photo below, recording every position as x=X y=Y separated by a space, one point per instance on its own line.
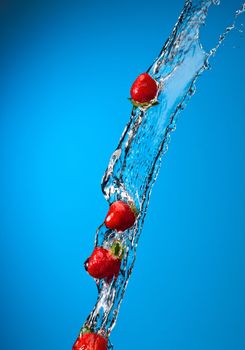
x=117 y=249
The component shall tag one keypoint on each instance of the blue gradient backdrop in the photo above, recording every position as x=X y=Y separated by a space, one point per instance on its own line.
x=66 y=70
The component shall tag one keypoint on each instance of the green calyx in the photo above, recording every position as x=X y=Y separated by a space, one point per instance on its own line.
x=144 y=105
x=134 y=210
x=84 y=330
x=117 y=249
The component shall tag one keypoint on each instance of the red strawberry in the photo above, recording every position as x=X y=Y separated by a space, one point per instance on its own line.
x=104 y=263
x=144 y=89
x=90 y=341
x=120 y=216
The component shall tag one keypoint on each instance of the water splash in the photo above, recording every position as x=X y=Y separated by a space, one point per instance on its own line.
x=227 y=30
x=135 y=164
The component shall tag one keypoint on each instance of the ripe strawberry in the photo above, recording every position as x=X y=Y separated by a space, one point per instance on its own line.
x=90 y=341
x=104 y=263
x=144 y=89
x=120 y=216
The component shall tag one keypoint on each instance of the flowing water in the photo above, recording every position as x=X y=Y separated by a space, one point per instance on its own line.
x=135 y=164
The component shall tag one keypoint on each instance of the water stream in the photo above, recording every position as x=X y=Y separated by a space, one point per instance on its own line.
x=135 y=164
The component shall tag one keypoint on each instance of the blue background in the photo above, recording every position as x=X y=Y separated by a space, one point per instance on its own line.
x=66 y=71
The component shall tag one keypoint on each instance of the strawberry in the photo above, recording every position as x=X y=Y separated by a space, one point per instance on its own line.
x=104 y=263
x=90 y=341
x=144 y=89
x=120 y=216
